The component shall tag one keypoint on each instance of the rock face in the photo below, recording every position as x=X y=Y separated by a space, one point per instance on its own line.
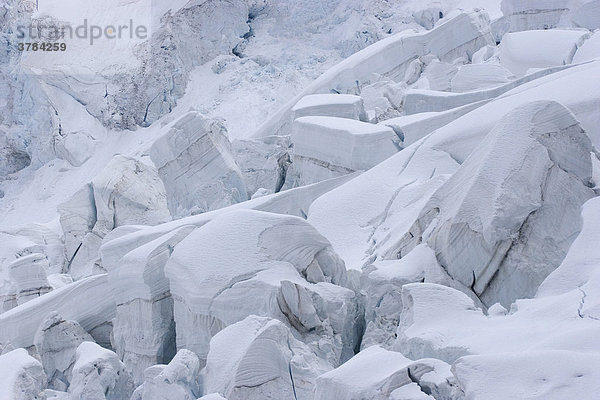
x=216 y=282
x=194 y=159
x=497 y=209
x=56 y=342
x=98 y=374
x=179 y=380
x=127 y=191
x=22 y=376
x=326 y=147
x=259 y=358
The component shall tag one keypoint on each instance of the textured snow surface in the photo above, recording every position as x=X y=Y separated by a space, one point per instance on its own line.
x=305 y=200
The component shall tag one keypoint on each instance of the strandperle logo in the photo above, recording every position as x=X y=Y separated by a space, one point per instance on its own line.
x=84 y=31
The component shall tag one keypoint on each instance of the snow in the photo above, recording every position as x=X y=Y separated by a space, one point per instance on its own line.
x=520 y=51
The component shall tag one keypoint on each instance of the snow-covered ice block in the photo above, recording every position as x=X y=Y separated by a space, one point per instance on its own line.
x=382 y=287
x=472 y=77
x=439 y=75
x=126 y=191
x=520 y=51
x=86 y=301
x=21 y=376
x=179 y=380
x=330 y=105
x=326 y=147
x=28 y=276
x=478 y=233
x=259 y=358
x=196 y=164
x=263 y=162
x=233 y=267
x=143 y=328
x=548 y=375
x=98 y=374
x=56 y=342
x=376 y=373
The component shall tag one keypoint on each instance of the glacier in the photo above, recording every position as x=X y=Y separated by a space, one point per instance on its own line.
x=304 y=200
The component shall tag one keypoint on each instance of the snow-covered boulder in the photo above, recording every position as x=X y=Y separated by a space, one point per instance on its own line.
x=326 y=147
x=520 y=51
x=126 y=191
x=21 y=376
x=179 y=380
x=330 y=105
x=98 y=374
x=234 y=265
x=56 y=342
x=196 y=164
x=259 y=358
x=143 y=328
x=478 y=232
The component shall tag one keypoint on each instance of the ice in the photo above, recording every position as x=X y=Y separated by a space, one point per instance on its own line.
x=179 y=380
x=330 y=105
x=259 y=358
x=98 y=374
x=21 y=376
x=327 y=147
x=28 y=276
x=391 y=57
x=56 y=342
x=520 y=51
x=196 y=164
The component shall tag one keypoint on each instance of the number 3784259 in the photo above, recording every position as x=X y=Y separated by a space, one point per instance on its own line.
x=35 y=46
